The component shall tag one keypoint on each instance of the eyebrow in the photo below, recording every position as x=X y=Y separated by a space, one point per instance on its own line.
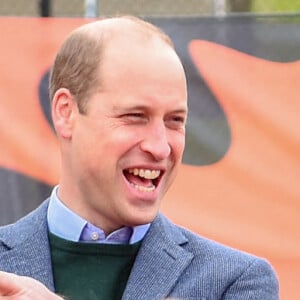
x=183 y=110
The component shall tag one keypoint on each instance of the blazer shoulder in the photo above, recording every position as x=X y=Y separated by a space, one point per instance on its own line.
x=214 y=255
x=215 y=269
x=18 y=232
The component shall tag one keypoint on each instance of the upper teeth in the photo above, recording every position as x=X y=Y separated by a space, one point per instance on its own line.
x=148 y=174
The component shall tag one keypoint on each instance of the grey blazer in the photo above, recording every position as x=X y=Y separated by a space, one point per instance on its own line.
x=172 y=262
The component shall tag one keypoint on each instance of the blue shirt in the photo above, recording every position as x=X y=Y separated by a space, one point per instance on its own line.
x=64 y=223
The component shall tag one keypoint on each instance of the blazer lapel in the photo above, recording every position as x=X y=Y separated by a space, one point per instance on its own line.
x=161 y=260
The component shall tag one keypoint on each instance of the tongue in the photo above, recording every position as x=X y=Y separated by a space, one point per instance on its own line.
x=137 y=180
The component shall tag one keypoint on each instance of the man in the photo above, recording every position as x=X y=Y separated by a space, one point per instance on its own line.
x=119 y=107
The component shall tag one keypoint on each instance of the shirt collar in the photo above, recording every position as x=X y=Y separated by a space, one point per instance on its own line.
x=74 y=228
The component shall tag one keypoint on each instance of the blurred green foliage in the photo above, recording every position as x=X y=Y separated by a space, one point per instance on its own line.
x=276 y=6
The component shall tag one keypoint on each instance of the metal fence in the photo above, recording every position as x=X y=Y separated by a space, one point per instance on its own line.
x=81 y=8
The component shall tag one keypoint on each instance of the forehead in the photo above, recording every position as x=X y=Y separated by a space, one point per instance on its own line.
x=130 y=55
x=152 y=69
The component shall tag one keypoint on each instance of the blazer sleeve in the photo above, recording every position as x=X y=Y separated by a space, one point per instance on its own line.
x=257 y=282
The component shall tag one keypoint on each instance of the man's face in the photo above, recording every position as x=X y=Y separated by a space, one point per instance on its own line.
x=126 y=149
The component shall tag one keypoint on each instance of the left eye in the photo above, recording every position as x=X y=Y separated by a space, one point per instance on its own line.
x=178 y=119
x=176 y=122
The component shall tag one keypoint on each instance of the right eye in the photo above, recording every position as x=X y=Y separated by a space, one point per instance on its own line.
x=135 y=117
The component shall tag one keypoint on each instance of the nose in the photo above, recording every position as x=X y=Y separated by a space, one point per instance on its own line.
x=155 y=142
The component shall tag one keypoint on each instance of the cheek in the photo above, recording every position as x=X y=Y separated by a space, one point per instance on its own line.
x=126 y=138
x=177 y=143
x=87 y=147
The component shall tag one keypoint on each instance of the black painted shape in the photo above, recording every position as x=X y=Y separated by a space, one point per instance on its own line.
x=44 y=97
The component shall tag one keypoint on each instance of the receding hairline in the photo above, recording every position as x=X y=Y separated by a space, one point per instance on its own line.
x=109 y=27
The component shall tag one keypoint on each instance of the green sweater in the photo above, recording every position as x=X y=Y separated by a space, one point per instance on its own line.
x=86 y=271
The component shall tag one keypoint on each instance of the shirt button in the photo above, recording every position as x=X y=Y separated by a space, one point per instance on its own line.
x=95 y=236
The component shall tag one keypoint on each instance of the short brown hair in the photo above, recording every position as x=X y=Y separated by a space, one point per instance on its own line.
x=76 y=66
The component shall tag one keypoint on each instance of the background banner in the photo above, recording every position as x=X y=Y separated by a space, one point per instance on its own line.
x=239 y=181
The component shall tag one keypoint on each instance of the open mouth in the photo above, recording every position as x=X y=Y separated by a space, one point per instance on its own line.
x=144 y=180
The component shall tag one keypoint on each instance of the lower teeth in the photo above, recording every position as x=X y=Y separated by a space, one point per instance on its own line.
x=144 y=188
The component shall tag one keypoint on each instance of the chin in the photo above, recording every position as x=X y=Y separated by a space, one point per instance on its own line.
x=142 y=218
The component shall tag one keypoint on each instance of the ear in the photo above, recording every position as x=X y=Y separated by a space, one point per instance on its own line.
x=64 y=111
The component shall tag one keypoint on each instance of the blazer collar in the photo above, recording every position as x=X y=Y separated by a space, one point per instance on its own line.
x=161 y=260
